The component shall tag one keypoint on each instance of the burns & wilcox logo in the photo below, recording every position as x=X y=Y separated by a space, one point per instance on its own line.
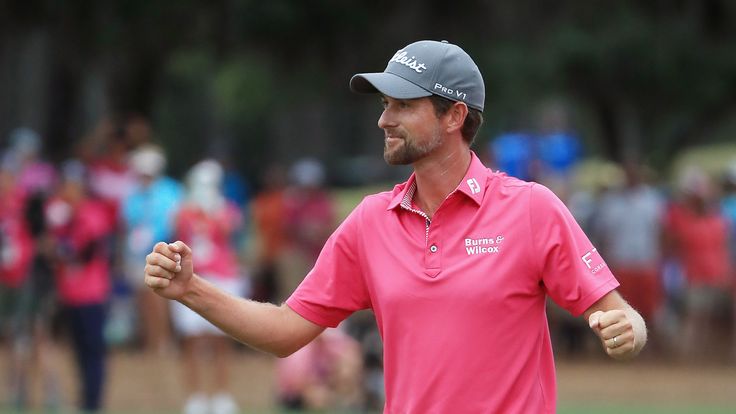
x=483 y=245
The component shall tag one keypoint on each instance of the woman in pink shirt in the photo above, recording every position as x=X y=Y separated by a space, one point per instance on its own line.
x=81 y=227
x=208 y=221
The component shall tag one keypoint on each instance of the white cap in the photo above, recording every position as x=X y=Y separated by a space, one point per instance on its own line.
x=694 y=181
x=148 y=160
x=206 y=173
x=204 y=182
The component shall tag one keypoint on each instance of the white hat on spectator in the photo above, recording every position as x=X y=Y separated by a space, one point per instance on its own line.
x=694 y=181
x=204 y=182
x=148 y=160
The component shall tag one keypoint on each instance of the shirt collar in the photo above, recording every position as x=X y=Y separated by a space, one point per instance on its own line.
x=472 y=185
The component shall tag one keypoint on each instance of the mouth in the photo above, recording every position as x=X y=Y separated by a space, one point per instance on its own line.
x=393 y=138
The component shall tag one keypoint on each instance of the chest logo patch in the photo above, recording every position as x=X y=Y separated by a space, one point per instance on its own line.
x=490 y=245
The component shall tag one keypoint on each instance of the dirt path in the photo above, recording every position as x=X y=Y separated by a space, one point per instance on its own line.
x=140 y=383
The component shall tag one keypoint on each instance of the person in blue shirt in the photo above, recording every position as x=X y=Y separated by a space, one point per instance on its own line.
x=148 y=215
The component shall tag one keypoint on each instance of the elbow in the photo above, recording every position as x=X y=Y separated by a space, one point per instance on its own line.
x=285 y=351
x=281 y=349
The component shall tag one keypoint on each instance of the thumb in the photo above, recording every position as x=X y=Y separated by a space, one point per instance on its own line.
x=184 y=251
x=594 y=319
x=180 y=247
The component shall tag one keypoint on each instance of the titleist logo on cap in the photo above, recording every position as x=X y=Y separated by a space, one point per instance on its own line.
x=401 y=58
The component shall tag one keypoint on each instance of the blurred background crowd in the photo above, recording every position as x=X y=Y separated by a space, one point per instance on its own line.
x=75 y=235
x=230 y=125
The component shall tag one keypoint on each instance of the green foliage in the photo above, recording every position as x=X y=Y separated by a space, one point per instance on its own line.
x=243 y=90
x=659 y=74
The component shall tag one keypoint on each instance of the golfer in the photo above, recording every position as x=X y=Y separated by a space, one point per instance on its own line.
x=456 y=262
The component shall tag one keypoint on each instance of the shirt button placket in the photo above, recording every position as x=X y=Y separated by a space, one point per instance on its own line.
x=433 y=258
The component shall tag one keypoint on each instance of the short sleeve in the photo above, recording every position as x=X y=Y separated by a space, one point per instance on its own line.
x=572 y=271
x=335 y=287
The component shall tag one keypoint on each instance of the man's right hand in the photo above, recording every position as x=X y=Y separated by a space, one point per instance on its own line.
x=169 y=269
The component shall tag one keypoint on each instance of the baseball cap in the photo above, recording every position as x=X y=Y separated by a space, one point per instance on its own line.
x=148 y=160
x=425 y=68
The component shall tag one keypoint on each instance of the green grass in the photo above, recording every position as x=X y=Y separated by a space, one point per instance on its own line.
x=628 y=409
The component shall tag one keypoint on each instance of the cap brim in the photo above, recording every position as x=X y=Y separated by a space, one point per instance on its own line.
x=388 y=84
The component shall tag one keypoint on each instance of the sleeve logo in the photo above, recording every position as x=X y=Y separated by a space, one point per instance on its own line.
x=588 y=260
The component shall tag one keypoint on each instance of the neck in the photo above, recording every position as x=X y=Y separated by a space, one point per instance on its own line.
x=438 y=176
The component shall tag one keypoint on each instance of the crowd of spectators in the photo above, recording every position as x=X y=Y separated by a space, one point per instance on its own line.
x=670 y=239
x=75 y=235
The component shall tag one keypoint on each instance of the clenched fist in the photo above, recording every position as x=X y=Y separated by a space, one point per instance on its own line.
x=169 y=269
x=617 y=330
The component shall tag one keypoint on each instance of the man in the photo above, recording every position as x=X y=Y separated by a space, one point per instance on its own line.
x=456 y=263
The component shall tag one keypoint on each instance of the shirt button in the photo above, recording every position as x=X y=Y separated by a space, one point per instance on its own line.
x=433 y=248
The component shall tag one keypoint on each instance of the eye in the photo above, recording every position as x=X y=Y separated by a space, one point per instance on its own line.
x=404 y=104
x=384 y=103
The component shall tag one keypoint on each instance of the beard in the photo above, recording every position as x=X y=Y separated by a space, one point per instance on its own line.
x=409 y=151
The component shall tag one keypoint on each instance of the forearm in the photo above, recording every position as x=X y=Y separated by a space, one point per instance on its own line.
x=274 y=329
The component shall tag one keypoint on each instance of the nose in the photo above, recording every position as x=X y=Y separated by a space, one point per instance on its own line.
x=386 y=120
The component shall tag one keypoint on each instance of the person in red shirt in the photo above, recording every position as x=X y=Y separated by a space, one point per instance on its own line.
x=309 y=218
x=17 y=249
x=268 y=210
x=80 y=228
x=456 y=263
x=696 y=234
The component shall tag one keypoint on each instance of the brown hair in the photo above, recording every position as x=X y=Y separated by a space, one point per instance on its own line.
x=473 y=120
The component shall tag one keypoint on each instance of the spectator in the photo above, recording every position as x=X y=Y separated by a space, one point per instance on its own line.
x=514 y=153
x=324 y=375
x=111 y=176
x=629 y=227
x=208 y=220
x=697 y=235
x=310 y=218
x=148 y=215
x=269 y=211
x=558 y=149
x=16 y=256
x=80 y=227
x=728 y=205
x=34 y=175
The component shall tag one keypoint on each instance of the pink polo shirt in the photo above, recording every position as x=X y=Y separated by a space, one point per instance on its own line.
x=460 y=301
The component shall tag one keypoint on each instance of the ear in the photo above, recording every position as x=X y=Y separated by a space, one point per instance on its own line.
x=456 y=117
